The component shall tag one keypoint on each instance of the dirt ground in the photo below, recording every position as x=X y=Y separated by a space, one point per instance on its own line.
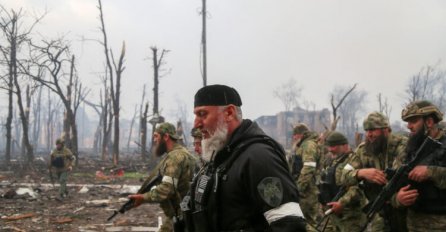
x=28 y=201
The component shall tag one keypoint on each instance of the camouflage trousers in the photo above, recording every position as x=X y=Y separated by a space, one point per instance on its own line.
x=420 y=222
x=167 y=224
x=62 y=179
x=352 y=221
x=312 y=211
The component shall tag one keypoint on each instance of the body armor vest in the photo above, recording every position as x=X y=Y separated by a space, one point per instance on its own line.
x=431 y=199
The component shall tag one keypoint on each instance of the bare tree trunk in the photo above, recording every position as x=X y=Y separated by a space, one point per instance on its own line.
x=25 y=138
x=143 y=125
x=37 y=119
x=9 y=122
x=131 y=128
x=335 y=107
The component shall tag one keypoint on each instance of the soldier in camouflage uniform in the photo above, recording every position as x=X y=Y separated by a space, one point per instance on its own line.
x=309 y=152
x=176 y=168
x=346 y=208
x=198 y=136
x=373 y=156
x=425 y=196
x=61 y=162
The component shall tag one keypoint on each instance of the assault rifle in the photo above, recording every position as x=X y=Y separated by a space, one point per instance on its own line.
x=400 y=178
x=338 y=195
x=144 y=188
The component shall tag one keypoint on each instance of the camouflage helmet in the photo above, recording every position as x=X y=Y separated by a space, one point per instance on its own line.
x=335 y=138
x=167 y=128
x=375 y=120
x=300 y=128
x=60 y=141
x=421 y=108
x=196 y=133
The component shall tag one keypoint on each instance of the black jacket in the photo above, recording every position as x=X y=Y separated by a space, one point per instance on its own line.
x=250 y=177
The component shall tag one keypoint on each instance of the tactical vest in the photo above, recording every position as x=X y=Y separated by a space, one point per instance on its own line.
x=201 y=213
x=58 y=162
x=431 y=199
x=371 y=190
x=327 y=187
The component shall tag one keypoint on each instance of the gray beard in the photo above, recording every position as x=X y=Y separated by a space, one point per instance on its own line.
x=216 y=142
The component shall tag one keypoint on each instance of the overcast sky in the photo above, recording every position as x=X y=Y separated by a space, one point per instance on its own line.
x=255 y=46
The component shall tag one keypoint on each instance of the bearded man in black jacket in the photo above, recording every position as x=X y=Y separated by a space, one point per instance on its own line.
x=246 y=184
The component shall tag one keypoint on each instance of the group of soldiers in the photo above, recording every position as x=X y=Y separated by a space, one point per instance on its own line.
x=241 y=179
x=338 y=185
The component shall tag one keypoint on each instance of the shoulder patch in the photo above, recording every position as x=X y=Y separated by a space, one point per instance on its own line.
x=271 y=191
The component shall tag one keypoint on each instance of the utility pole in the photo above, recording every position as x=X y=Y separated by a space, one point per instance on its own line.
x=203 y=43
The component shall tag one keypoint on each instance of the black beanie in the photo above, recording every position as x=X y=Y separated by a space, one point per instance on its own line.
x=217 y=95
x=335 y=138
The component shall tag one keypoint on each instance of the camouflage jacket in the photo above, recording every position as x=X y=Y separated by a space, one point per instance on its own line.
x=353 y=200
x=395 y=153
x=177 y=169
x=65 y=155
x=309 y=151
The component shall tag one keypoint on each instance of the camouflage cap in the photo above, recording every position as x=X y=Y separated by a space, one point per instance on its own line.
x=167 y=128
x=196 y=133
x=60 y=141
x=300 y=128
x=335 y=138
x=375 y=120
x=421 y=108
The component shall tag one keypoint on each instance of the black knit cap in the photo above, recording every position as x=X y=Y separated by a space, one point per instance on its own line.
x=335 y=138
x=217 y=95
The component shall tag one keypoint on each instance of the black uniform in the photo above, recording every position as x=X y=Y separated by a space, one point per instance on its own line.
x=247 y=187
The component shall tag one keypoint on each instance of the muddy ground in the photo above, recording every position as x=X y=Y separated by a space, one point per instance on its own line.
x=28 y=201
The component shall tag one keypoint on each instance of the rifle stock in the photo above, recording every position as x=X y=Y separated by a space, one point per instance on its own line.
x=144 y=188
x=399 y=178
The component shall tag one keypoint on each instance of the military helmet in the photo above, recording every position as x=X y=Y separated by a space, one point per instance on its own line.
x=421 y=108
x=196 y=133
x=335 y=138
x=375 y=120
x=60 y=141
x=167 y=128
x=300 y=128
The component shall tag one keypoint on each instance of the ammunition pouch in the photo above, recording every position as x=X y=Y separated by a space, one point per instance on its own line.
x=58 y=162
x=432 y=200
x=327 y=186
x=187 y=213
x=194 y=205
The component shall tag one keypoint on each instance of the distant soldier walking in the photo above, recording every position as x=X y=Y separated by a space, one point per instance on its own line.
x=61 y=162
x=309 y=152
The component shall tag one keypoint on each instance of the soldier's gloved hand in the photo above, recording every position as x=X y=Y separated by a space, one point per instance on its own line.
x=138 y=198
x=373 y=175
x=407 y=196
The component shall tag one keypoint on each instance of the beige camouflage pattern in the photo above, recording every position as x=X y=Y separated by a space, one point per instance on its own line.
x=309 y=151
x=62 y=173
x=352 y=217
x=68 y=158
x=375 y=120
x=395 y=153
x=177 y=169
